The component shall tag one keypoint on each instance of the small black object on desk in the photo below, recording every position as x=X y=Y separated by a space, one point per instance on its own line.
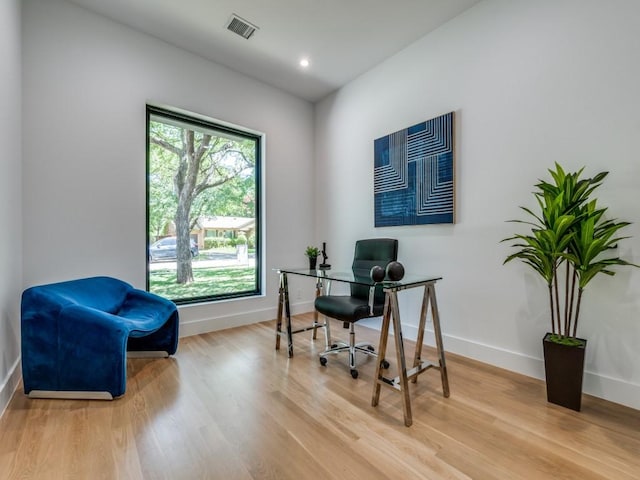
x=324 y=265
x=377 y=273
x=395 y=271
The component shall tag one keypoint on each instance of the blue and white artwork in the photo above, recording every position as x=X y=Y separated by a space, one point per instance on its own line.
x=414 y=174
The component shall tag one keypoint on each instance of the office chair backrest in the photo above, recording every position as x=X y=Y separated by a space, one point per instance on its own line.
x=368 y=253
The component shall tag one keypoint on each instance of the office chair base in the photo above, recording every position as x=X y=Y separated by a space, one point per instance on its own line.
x=363 y=347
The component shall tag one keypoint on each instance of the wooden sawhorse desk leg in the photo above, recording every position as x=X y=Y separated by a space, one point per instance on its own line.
x=283 y=304
x=401 y=382
x=429 y=300
x=284 y=308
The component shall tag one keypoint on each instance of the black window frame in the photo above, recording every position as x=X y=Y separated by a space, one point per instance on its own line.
x=211 y=124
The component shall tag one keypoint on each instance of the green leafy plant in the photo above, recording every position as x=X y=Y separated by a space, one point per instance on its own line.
x=312 y=252
x=569 y=238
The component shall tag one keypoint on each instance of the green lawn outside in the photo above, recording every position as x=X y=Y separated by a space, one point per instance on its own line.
x=207 y=282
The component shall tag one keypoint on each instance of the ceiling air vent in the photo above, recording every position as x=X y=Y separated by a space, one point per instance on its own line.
x=240 y=26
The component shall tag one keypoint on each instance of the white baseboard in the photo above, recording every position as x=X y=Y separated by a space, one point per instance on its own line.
x=613 y=389
x=8 y=388
x=204 y=325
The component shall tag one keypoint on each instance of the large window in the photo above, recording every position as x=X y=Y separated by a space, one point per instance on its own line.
x=203 y=209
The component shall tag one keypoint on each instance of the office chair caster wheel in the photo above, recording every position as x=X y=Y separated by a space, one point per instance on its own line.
x=335 y=345
x=384 y=364
x=370 y=348
x=323 y=361
x=354 y=373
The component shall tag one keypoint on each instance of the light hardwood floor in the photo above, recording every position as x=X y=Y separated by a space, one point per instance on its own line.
x=228 y=406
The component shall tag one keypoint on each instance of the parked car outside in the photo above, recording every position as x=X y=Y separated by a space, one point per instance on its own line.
x=165 y=249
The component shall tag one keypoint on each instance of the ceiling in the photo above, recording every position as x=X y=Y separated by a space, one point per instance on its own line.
x=341 y=38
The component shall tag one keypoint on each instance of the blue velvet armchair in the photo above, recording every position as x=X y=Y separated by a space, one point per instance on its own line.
x=76 y=334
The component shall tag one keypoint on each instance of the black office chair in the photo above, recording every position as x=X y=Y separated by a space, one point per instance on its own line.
x=364 y=301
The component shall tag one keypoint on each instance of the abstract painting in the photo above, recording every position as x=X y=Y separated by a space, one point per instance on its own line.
x=414 y=174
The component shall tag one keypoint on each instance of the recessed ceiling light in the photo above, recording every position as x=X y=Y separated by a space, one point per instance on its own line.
x=304 y=63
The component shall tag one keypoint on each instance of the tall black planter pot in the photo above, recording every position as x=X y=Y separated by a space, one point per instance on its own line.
x=564 y=370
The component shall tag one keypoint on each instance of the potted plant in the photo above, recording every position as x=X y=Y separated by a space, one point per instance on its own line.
x=312 y=253
x=569 y=243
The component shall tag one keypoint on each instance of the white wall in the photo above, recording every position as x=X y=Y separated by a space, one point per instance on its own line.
x=10 y=201
x=531 y=83
x=86 y=82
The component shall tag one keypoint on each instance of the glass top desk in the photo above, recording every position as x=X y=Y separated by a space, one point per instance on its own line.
x=391 y=314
